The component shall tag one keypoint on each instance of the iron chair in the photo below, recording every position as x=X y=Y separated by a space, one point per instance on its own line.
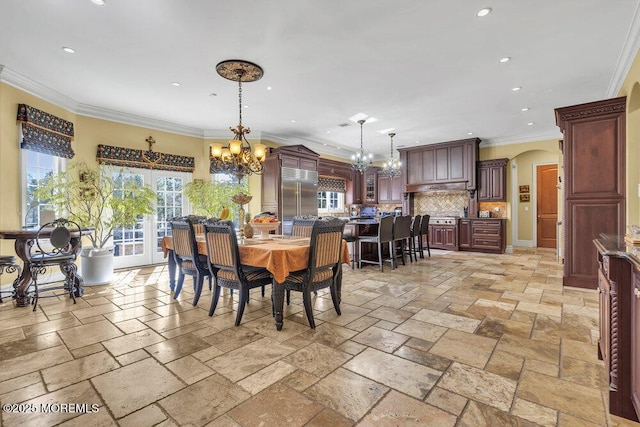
x=223 y=261
x=8 y=265
x=401 y=237
x=424 y=231
x=188 y=260
x=384 y=236
x=53 y=248
x=325 y=252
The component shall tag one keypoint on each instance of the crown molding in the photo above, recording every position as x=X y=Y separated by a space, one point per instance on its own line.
x=135 y=120
x=628 y=54
x=521 y=139
x=34 y=88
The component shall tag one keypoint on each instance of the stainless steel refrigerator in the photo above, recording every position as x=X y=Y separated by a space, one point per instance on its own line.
x=299 y=195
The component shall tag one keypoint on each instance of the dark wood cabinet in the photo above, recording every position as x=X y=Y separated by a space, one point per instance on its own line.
x=290 y=156
x=618 y=344
x=482 y=235
x=370 y=186
x=443 y=236
x=594 y=183
x=464 y=235
x=341 y=170
x=635 y=342
x=442 y=163
x=389 y=189
x=492 y=180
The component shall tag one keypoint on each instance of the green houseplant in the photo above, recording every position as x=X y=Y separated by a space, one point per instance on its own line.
x=209 y=198
x=95 y=198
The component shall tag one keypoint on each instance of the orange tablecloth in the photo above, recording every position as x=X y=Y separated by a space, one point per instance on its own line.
x=279 y=256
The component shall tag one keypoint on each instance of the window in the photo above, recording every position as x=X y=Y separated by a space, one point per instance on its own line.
x=36 y=166
x=329 y=201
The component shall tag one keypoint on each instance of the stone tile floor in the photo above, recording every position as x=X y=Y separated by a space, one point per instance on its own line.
x=461 y=339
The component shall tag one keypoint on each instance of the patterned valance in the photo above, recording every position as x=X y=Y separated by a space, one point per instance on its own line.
x=44 y=132
x=332 y=184
x=146 y=159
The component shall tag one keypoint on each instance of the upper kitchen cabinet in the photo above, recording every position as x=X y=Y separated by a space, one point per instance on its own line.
x=492 y=180
x=290 y=156
x=369 y=185
x=452 y=162
x=335 y=169
x=593 y=151
x=389 y=189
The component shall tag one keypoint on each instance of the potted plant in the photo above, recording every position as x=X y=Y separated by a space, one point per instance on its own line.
x=94 y=198
x=210 y=198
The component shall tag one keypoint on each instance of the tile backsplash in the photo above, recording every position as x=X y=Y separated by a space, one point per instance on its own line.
x=440 y=203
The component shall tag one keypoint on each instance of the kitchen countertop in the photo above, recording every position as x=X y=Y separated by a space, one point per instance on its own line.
x=613 y=245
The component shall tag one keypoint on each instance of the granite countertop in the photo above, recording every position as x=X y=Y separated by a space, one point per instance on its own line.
x=614 y=245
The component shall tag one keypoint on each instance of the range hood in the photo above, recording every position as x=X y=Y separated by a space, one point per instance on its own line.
x=444 y=187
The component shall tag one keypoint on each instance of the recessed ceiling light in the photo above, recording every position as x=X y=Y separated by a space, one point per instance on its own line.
x=324 y=144
x=505 y=59
x=328 y=132
x=483 y=12
x=176 y=84
x=469 y=133
x=269 y=88
x=524 y=109
x=517 y=88
x=531 y=123
x=99 y=2
x=68 y=50
x=293 y=120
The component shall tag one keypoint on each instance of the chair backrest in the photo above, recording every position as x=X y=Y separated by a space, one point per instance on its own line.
x=196 y=220
x=222 y=248
x=385 y=229
x=424 y=224
x=325 y=248
x=402 y=227
x=54 y=238
x=184 y=238
x=416 y=223
x=302 y=227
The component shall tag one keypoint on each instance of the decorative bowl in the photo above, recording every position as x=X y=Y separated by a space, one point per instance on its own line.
x=264 y=228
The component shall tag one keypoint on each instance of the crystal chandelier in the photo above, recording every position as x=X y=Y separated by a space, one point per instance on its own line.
x=236 y=158
x=359 y=160
x=391 y=169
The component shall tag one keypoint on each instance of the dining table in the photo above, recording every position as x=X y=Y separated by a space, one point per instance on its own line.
x=279 y=254
x=24 y=240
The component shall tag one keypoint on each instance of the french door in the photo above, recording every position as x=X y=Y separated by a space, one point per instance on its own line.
x=140 y=244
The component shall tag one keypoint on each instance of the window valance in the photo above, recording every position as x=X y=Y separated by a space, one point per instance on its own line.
x=44 y=132
x=146 y=159
x=332 y=184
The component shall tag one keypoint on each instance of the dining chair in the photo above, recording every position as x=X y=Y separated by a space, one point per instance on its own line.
x=414 y=244
x=384 y=236
x=223 y=261
x=302 y=226
x=324 y=265
x=189 y=262
x=52 y=248
x=401 y=237
x=424 y=235
x=8 y=265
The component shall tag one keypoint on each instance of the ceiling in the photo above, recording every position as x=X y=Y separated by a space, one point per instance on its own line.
x=429 y=69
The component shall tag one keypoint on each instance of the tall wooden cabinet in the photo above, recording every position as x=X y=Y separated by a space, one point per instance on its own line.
x=492 y=180
x=594 y=183
x=389 y=189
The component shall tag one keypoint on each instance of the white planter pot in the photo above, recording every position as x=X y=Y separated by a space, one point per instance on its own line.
x=96 y=265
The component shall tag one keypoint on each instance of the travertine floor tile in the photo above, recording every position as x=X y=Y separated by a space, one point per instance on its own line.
x=396 y=409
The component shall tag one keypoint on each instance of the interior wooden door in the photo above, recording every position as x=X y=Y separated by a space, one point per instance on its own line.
x=546 y=205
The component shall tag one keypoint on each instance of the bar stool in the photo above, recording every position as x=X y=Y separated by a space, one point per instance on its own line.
x=352 y=241
x=8 y=264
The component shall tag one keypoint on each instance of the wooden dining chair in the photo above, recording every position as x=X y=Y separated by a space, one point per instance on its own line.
x=325 y=251
x=223 y=261
x=189 y=262
x=384 y=237
x=52 y=248
x=302 y=226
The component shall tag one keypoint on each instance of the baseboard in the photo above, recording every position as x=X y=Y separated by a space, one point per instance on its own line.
x=525 y=243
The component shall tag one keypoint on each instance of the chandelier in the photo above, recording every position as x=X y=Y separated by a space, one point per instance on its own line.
x=236 y=158
x=391 y=168
x=359 y=160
